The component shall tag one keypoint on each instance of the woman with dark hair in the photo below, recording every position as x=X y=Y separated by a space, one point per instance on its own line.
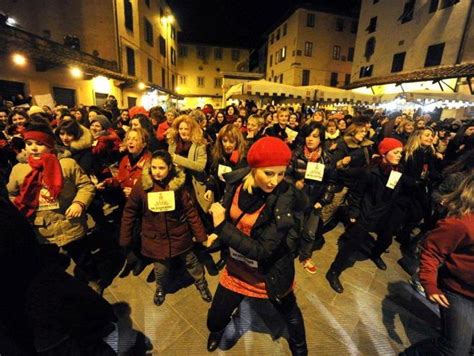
x=231 y=114
x=447 y=275
x=81 y=116
x=78 y=141
x=219 y=123
x=18 y=117
x=142 y=121
x=257 y=221
x=166 y=231
x=313 y=173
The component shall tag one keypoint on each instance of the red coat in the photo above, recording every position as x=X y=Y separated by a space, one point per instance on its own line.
x=161 y=131
x=164 y=234
x=128 y=175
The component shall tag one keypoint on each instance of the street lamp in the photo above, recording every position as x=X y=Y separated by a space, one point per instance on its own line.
x=75 y=72
x=19 y=59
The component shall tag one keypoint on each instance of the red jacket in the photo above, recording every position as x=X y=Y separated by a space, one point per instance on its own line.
x=127 y=174
x=451 y=243
x=163 y=234
x=161 y=131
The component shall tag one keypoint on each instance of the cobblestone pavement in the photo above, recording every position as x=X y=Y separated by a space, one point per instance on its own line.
x=378 y=313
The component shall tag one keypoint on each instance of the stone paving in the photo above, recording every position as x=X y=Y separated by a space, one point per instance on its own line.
x=378 y=313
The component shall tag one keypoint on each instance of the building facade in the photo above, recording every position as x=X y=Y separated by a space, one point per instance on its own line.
x=311 y=47
x=404 y=36
x=134 y=40
x=201 y=70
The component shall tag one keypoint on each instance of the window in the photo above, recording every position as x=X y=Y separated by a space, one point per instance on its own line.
x=448 y=3
x=130 y=61
x=347 y=79
x=218 y=83
x=200 y=82
x=305 y=77
x=433 y=6
x=281 y=78
x=372 y=25
x=100 y=99
x=147 y=2
x=285 y=29
x=148 y=32
x=408 y=10
x=163 y=78
x=275 y=79
x=333 y=81
x=308 y=49
x=173 y=56
x=217 y=53
x=350 y=54
x=277 y=57
x=339 y=25
x=128 y=15
x=271 y=60
x=310 y=20
x=369 y=48
x=283 y=54
x=149 y=70
x=201 y=52
x=173 y=80
x=173 y=32
x=64 y=96
x=183 y=51
x=336 y=52
x=398 y=62
x=272 y=38
x=131 y=101
x=278 y=35
x=434 y=55
x=182 y=79
x=235 y=54
x=354 y=26
x=366 y=71
x=162 y=46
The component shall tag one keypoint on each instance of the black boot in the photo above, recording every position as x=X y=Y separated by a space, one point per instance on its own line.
x=126 y=270
x=159 y=297
x=151 y=276
x=333 y=279
x=379 y=262
x=213 y=340
x=220 y=264
x=139 y=267
x=298 y=349
x=204 y=291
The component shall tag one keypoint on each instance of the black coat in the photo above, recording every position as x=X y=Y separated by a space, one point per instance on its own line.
x=273 y=237
x=214 y=183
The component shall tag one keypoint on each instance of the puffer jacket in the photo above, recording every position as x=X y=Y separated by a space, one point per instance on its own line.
x=52 y=226
x=164 y=234
x=273 y=238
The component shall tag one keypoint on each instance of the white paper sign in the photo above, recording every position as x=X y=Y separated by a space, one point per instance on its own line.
x=239 y=257
x=291 y=134
x=314 y=171
x=221 y=170
x=94 y=143
x=46 y=202
x=159 y=202
x=393 y=179
x=44 y=99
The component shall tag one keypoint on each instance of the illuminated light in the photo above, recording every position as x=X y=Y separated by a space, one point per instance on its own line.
x=11 y=21
x=171 y=19
x=164 y=21
x=19 y=59
x=75 y=72
x=178 y=89
x=101 y=85
x=141 y=86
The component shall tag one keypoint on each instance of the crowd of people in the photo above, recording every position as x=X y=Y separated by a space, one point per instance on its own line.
x=117 y=190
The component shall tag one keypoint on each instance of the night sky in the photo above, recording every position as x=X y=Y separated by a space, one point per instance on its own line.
x=238 y=22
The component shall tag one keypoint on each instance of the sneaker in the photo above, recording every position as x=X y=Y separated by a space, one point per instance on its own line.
x=309 y=266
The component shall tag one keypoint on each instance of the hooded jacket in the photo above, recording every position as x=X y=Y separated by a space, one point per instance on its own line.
x=164 y=234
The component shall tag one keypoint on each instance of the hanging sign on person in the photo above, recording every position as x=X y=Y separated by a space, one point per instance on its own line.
x=239 y=257
x=314 y=171
x=393 y=179
x=221 y=170
x=159 y=202
x=46 y=202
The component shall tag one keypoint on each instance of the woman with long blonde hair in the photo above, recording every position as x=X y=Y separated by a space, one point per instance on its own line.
x=447 y=274
x=187 y=146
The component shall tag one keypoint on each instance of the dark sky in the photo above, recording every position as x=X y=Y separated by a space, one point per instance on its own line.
x=238 y=22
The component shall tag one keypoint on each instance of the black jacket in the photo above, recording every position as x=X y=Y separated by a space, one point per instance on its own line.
x=273 y=237
x=214 y=183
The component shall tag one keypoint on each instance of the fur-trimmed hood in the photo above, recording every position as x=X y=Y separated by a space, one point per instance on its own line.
x=84 y=142
x=350 y=142
x=174 y=184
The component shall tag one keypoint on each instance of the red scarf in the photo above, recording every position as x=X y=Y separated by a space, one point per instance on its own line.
x=46 y=172
x=312 y=156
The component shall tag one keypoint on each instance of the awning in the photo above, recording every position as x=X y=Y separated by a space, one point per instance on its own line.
x=335 y=95
x=422 y=95
x=264 y=88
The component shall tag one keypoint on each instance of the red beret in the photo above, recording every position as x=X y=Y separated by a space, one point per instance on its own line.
x=268 y=152
x=388 y=144
x=137 y=110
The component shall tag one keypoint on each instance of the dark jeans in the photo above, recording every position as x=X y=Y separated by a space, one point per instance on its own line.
x=193 y=266
x=457 y=330
x=226 y=301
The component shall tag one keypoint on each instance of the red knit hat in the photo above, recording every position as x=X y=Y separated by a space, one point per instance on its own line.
x=388 y=144
x=268 y=152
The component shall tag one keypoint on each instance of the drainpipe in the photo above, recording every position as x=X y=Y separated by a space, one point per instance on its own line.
x=117 y=43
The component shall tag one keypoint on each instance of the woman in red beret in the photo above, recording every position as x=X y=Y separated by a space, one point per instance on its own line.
x=258 y=220
x=370 y=210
